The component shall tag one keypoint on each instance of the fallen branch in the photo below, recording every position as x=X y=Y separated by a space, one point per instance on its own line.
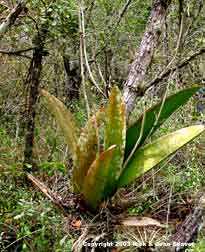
x=54 y=197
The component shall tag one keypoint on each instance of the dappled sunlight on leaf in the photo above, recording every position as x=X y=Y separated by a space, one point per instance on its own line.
x=152 y=154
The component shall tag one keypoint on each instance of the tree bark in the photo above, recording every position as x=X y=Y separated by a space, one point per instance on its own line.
x=32 y=83
x=73 y=80
x=134 y=86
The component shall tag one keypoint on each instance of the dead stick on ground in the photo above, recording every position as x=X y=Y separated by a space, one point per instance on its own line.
x=56 y=199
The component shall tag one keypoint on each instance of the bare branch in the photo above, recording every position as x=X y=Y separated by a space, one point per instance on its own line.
x=18 y=52
x=80 y=15
x=11 y=18
x=124 y=10
x=174 y=68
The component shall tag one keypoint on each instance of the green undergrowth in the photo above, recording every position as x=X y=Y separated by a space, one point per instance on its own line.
x=41 y=227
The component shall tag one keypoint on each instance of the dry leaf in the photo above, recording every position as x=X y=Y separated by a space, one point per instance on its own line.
x=140 y=222
x=76 y=224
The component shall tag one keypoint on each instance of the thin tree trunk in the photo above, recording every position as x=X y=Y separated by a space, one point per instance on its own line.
x=134 y=85
x=73 y=81
x=32 y=83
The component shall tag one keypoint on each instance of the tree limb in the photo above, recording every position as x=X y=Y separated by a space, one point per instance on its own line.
x=18 y=52
x=123 y=11
x=11 y=18
x=174 y=68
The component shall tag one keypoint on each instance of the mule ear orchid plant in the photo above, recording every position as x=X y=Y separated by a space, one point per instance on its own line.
x=103 y=163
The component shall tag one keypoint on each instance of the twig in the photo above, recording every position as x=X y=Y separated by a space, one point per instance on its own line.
x=122 y=13
x=101 y=75
x=89 y=12
x=146 y=180
x=168 y=210
x=114 y=27
x=160 y=111
x=21 y=238
x=85 y=53
x=193 y=21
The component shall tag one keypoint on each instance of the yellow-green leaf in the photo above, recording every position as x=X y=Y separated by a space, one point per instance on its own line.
x=64 y=119
x=150 y=155
x=95 y=181
x=87 y=149
x=115 y=134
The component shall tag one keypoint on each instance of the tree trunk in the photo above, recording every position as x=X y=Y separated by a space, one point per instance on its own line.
x=73 y=80
x=32 y=83
x=134 y=85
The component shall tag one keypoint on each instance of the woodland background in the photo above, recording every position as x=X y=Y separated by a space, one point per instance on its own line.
x=40 y=44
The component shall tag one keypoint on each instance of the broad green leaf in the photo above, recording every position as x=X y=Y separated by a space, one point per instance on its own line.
x=64 y=119
x=172 y=103
x=115 y=133
x=150 y=155
x=87 y=149
x=95 y=181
